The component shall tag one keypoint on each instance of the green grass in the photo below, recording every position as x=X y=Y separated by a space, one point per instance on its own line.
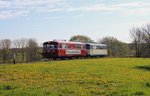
x=82 y=77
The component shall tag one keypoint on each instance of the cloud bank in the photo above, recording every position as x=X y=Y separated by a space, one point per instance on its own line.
x=18 y=8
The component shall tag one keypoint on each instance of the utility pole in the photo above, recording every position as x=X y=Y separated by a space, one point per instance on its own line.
x=14 y=58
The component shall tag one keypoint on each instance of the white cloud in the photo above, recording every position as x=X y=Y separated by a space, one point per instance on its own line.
x=138 y=8
x=4 y=4
x=5 y=15
x=132 y=4
x=15 y=8
x=11 y=14
x=100 y=7
x=62 y=17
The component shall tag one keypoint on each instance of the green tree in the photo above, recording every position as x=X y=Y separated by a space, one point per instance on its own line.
x=116 y=48
x=81 y=38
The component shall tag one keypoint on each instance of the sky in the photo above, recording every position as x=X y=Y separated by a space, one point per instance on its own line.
x=46 y=20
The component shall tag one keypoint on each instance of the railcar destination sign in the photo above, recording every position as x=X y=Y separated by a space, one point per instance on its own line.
x=73 y=51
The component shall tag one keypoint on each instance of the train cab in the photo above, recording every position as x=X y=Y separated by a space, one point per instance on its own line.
x=50 y=49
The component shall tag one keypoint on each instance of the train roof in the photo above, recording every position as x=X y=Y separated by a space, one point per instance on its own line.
x=96 y=44
x=67 y=42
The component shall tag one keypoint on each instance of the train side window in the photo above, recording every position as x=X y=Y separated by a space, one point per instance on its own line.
x=98 y=47
x=82 y=46
x=69 y=46
x=48 y=45
x=87 y=46
x=44 y=46
x=103 y=47
x=94 y=47
x=78 y=46
x=91 y=47
x=60 y=46
x=66 y=46
x=63 y=46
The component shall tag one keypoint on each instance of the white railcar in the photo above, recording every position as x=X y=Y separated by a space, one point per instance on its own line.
x=95 y=50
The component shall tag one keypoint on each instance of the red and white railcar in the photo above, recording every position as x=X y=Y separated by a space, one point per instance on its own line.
x=63 y=49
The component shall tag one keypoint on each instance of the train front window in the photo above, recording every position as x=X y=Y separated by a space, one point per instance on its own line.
x=44 y=46
x=49 y=46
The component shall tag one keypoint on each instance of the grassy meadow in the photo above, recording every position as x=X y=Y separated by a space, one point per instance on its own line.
x=81 y=77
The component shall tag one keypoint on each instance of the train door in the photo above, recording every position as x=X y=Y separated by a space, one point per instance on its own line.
x=89 y=50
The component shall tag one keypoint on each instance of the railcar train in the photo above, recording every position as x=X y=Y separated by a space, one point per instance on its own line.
x=63 y=49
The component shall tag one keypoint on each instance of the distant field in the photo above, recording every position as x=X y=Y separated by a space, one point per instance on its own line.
x=85 y=77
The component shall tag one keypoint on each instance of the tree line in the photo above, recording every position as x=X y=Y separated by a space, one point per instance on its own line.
x=22 y=50
x=28 y=50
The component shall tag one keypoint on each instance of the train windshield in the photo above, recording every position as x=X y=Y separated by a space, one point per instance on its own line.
x=49 y=46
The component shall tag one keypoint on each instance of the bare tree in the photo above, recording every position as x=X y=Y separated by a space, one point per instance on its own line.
x=20 y=46
x=5 y=46
x=23 y=47
x=16 y=43
x=141 y=40
x=136 y=35
x=146 y=39
x=32 y=48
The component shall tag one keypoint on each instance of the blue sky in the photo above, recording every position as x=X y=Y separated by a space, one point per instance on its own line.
x=60 y=19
